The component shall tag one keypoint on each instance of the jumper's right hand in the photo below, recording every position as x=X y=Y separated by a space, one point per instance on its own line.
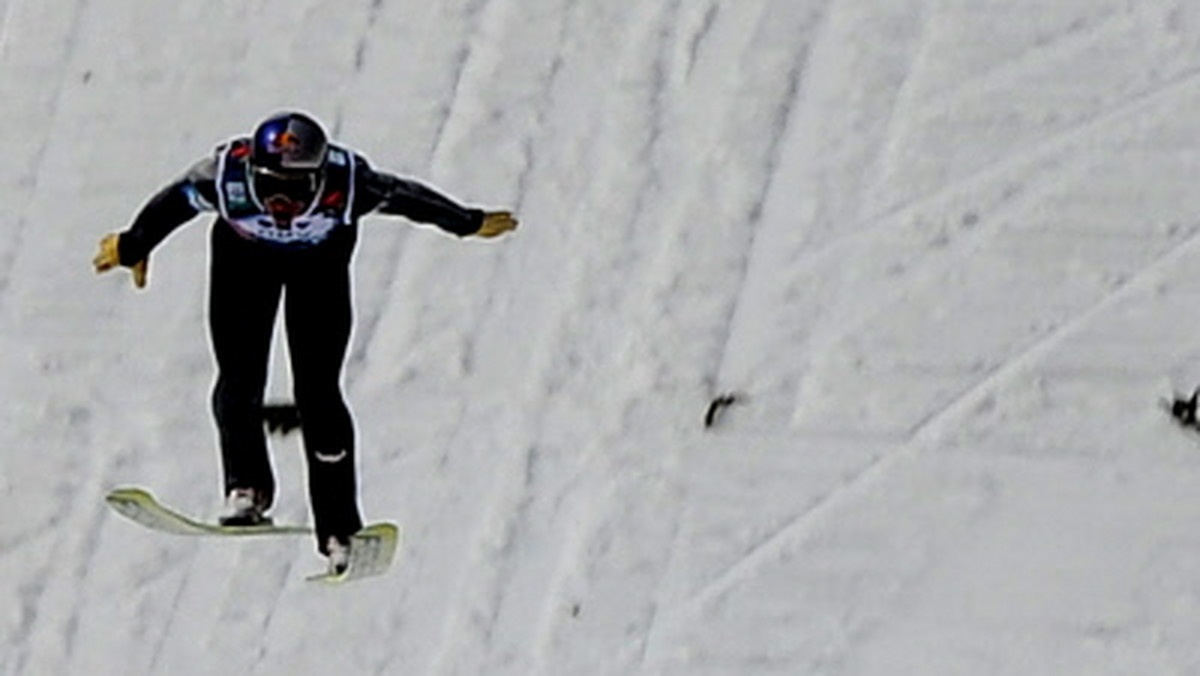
x=109 y=257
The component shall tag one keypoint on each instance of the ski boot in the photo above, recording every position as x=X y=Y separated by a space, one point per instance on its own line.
x=245 y=507
x=338 y=551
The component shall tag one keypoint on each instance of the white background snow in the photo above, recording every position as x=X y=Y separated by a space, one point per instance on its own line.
x=947 y=253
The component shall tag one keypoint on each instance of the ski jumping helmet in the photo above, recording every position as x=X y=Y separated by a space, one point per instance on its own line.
x=287 y=157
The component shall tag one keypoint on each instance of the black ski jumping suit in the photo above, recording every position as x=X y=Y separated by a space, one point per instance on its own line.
x=254 y=259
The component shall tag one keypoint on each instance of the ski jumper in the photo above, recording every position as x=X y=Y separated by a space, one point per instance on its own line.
x=260 y=261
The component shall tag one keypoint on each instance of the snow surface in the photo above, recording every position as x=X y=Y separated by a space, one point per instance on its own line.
x=944 y=251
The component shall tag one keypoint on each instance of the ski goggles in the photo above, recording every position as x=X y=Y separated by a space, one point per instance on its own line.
x=298 y=186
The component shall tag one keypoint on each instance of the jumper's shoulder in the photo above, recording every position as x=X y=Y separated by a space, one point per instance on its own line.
x=199 y=184
x=204 y=169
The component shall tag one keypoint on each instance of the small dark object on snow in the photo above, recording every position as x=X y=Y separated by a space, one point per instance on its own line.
x=716 y=406
x=1184 y=410
x=281 y=419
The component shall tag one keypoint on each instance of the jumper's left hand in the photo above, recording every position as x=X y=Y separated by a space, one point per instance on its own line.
x=109 y=257
x=496 y=223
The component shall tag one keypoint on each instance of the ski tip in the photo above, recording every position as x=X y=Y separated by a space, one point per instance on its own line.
x=380 y=529
x=127 y=493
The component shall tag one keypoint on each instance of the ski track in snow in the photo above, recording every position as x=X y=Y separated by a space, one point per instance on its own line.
x=517 y=496
x=652 y=136
x=783 y=199
x=32 y=168
x=1063 y=144
x=926 y=431
x=791 y=97
x=6 y=11
x=367 y=325
x=926 y=435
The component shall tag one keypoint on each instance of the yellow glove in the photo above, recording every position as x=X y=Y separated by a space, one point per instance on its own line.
x=496 y=223
x=110 y=257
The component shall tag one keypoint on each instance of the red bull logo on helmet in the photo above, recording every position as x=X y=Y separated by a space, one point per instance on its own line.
x=285 y=143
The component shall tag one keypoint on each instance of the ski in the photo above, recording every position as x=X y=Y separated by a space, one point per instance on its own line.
x=139 y=506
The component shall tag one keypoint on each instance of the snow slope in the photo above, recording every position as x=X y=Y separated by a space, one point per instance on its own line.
x=944 y=251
